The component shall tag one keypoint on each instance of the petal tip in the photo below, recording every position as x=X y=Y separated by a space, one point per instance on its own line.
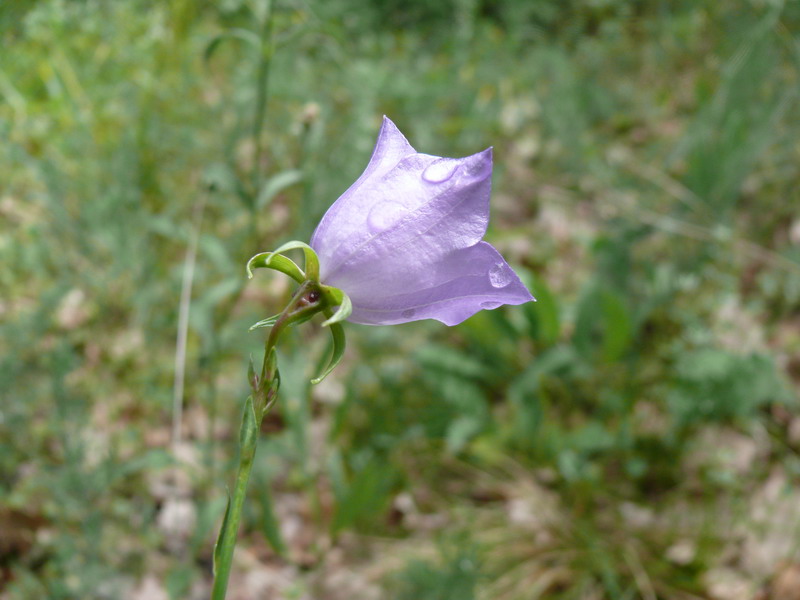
x=390 y=133
x=478 y=167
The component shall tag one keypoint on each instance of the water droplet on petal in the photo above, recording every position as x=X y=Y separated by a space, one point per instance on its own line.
x=500 y=275
x=440 y=171
x=408 y=313
x=384 y=215
x=490 y=305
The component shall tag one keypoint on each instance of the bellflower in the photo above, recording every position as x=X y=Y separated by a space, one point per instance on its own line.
x=404 y=242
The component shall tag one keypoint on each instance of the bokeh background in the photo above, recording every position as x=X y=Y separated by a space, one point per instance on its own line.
x=633 y=434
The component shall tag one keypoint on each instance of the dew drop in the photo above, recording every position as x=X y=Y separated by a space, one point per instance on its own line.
x=384 y=215
x=500 y=275
x=408 y=313
x=440 y=171
x=490 y=305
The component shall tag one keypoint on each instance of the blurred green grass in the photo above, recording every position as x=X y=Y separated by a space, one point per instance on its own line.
x=633 y=434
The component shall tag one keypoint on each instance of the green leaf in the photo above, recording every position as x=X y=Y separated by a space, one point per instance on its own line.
x=270 y=260
x=337 y=333
x=276 y=184
x=336 y=297
x=218 y=545
x=312 y=262
x=268 y=322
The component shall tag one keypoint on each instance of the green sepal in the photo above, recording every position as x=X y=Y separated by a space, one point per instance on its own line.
x=312 y=262
x=222 y=533
x=336 y=297
x=271 y=260
x=302 y=319
x=268 y=322
x=337 y=333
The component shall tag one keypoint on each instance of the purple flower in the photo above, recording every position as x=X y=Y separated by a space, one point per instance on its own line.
x=404 y=242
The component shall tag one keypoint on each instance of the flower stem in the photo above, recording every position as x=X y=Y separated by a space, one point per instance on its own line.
x=223 y=553
x=265 y=391
x=306 y=302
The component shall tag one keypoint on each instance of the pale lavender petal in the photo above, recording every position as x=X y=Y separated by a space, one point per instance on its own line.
x=390 y=149
x=417 y=213
x=471 y=279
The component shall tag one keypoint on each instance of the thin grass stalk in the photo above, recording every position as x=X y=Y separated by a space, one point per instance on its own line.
x=262 y=89
x=183 y=323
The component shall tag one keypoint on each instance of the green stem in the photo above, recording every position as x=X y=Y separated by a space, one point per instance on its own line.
x=262 y=83
x=306 y=302
x=230 y=526
x=265 y=391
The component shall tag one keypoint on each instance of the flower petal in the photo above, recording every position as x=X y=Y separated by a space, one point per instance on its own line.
x=390 y=149
x=412 y=217
x=468 y=280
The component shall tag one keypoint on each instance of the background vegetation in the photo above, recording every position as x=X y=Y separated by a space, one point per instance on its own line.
x=633 y=434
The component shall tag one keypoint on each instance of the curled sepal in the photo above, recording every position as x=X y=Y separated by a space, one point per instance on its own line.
x=337 y=333
x=312 y=262
x=268 y=322
x=271 y=260
x=336 y=297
